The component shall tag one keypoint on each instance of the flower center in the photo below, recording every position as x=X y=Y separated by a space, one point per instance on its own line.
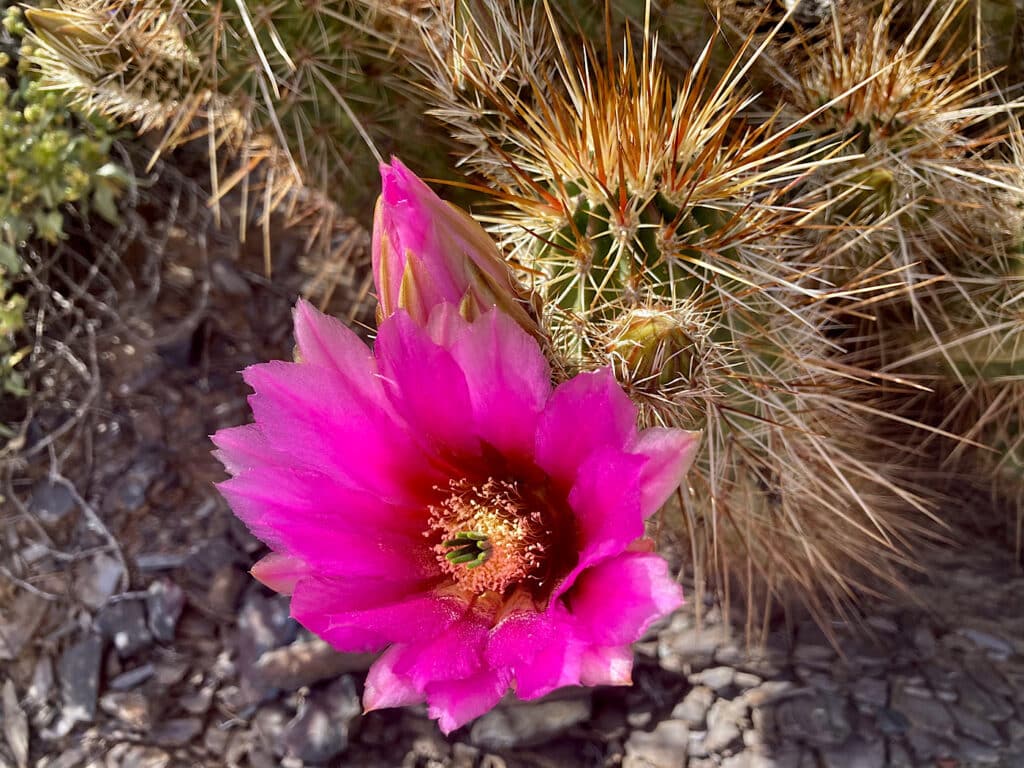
x=491 y=539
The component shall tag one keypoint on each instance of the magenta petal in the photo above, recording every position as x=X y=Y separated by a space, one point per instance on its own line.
x=367 y=614
x=386 y=689
x=616 y=600
x=426 y=386
x=326 y=422
x=279 y=572
x=242 y=448
x=539 y=649
x=670 y=453
x=509 y=382
x=325 y=341
x=283 y=509
x=607 y=665
x=585 y=414
x=453 y=654
x=455 y=702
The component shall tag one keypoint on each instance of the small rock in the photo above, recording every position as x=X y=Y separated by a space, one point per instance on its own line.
x=822 y=720
x=682 y=644
x=137 y=756
x=855 y=753
x=899 y=757
x=772 y=692
x=976 y=699
x=524 y=724
x=977 y=728
x=176 y=732
x=320 y=731
x=79 y=674
x=124 y=622
x=164 y=603
x=693 y=709
x=664 y=747
x=924 y=639
x=870 y=693
x=715 y=678
x=129 y=491
x=305 y=662
x=997 y=646
x=930 y=715
x=132 y=709
x=746 y=680
x=98 y=579
x=51 y=502
x=264 y=623
x=133 y=677
x=725 y=724
x=172 y=671
x=197 y=703
x=979 y=754
x=882 y=624
x=891 y=722
x=225 y=588
x=42 y=682
x=159 y=561
x=464 y=756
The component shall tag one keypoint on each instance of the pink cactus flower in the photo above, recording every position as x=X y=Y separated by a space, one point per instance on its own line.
x=426 y=251
x=434 y=497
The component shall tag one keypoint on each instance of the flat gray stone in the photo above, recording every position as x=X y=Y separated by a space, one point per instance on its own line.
x=822 y=720
x=519 y=724
x=79 y=673
x=978 y=728
x=855 y=753
x=726 y=722
x=177 y=731
x=320 y=731
x=124 y=623
x=870 y=693
x=664 y=747
x=693 y=709
x=51 y=502
x=930 y=715
x=165 y=601
x=715 y=678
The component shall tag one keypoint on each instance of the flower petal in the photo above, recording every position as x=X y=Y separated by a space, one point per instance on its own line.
x=326 y=342
x=539 y=649
x=455 y=702
x=336 y=531
x=326 y=422
x=509 y=382
x=279 y=572
x=670 y=453
x=615 y=601
x=607 y=665
x=386 y=689
x=455 y=653
x=367 y=614
x=426 y=386
x=583 y=415
x=245 y=447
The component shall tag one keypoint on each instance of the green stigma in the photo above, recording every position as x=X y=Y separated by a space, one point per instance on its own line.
x=468 y=548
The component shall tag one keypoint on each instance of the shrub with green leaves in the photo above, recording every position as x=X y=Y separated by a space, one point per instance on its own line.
x=50 y=157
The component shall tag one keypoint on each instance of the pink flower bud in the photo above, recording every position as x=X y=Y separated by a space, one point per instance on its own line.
x=427 y=252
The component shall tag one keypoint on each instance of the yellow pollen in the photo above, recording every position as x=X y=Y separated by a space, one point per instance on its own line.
x=490 y=539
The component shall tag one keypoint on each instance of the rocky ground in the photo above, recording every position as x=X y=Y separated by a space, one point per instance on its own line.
x=132 y=636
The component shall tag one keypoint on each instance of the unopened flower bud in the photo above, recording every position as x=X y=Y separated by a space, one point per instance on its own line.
x=427 y=252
